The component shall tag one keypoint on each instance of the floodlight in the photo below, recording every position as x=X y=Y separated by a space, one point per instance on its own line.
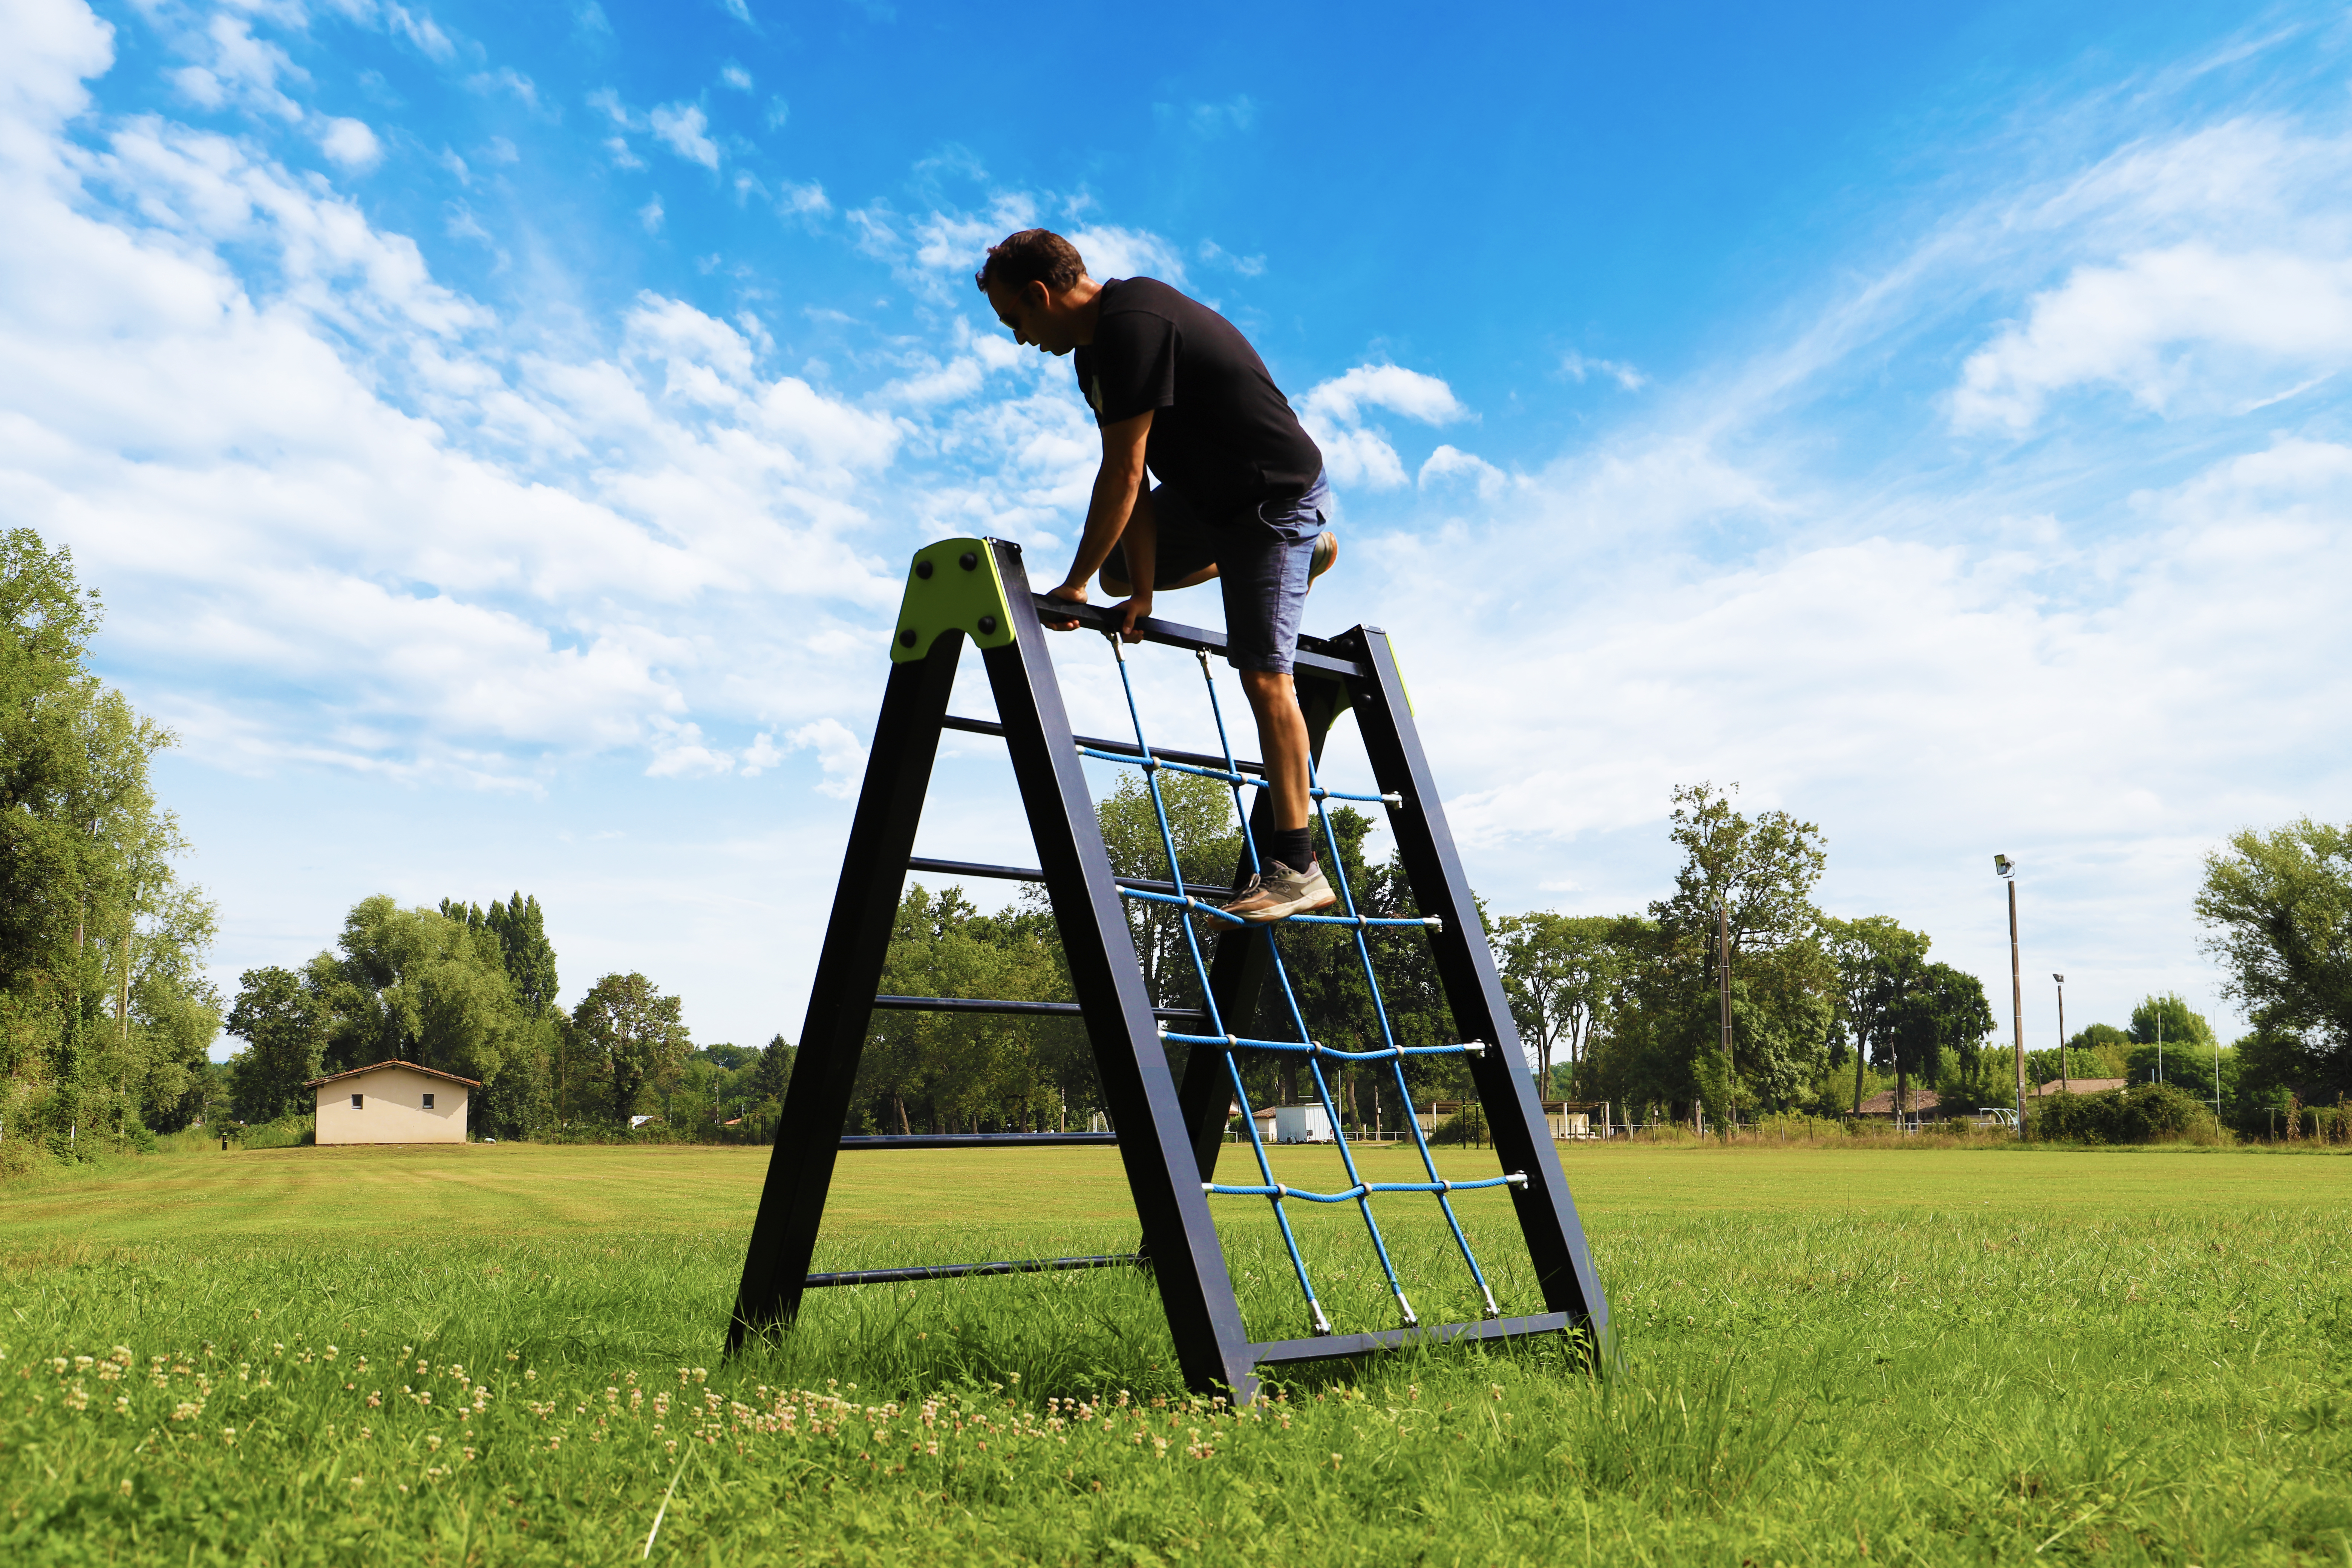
x=2058 y=978
x=2003 y=865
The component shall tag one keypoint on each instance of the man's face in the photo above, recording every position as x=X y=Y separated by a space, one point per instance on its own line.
x=1027 y=311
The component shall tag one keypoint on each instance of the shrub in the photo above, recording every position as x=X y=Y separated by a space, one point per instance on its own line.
x=2143 y=1113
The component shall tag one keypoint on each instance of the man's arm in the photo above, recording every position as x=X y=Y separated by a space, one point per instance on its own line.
x=1113 y=514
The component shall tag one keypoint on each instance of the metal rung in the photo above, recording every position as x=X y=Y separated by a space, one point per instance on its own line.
x=1016 y=873
x=973 y=1140
x=1315 y=654
x=1325 y=1347
x=959 y=1270
x=991 y=1004
x=1125 y=748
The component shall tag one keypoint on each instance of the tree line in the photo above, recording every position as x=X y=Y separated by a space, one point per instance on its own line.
x=106 y=1016
x=471 y=989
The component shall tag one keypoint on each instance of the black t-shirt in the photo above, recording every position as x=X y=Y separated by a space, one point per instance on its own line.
x=1221 y=432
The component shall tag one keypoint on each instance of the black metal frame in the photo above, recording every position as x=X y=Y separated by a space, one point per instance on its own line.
x=1167 y=1138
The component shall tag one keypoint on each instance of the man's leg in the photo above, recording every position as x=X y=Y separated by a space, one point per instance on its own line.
x=1282 y=735
x=1267 y=567
x=1185 y=552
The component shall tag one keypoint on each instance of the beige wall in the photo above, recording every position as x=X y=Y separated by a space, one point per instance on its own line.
x=392 y=1108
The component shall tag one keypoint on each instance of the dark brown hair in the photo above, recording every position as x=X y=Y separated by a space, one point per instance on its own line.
x=1032 y=256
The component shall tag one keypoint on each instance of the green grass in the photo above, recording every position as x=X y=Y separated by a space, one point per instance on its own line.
x=1890 y=1355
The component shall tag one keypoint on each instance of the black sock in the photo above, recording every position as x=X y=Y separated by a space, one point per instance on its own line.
x=1294 y=846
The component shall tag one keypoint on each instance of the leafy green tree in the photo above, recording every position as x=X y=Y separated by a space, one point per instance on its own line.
x=1561 y=973
x=635 y=1036
x=2168 y=1019
x=2279 y=906
x=772 y=1073
x=1208 y=841
x=1942 y=1013
x=1758 y=873
x=105 y=1014
x=416 y=986
x=1876 y=962
x=284 y=1023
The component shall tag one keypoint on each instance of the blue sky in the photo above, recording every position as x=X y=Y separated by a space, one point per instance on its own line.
x=500 y=433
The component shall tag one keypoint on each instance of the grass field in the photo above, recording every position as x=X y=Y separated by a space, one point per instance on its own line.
x=510 y=1353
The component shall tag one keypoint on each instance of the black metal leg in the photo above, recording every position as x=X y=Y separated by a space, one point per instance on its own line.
x=1179 y=1236
x=841 y=997
x=1465 y=966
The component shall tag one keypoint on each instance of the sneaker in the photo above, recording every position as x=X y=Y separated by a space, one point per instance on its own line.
x=1327 y=551
x=1282 y=892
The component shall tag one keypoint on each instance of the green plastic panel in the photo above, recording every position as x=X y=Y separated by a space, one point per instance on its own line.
x=952 y=584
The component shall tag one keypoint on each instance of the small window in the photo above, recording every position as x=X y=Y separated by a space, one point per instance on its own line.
x=428 y=1102
x=355 y=1102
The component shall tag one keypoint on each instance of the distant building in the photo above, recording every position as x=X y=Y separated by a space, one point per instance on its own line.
x=393 y=1102
x=1920 y=1105
x=1300 y=1124
x=2078 y=1086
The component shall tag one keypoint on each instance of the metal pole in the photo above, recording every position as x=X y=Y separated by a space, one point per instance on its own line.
x=2017 y=1002
x=2062 y=1082
x=1723 y=995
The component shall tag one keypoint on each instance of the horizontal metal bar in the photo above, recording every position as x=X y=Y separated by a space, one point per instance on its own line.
x=1125 y=748
x=1327 y=1347
x=1363 y=1189
x=975 y=1140
x=1316 y=654
x=1314 y=1048
x=959 y=1270
x=1017 y=873
x=1134 y=758
x=1020 y=1009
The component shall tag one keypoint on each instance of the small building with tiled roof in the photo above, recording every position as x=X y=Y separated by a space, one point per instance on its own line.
x=393 y=1102
x=1919 y=1104
x=2078 y=1086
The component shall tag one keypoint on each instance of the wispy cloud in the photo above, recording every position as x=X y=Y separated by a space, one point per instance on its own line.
x=681 y=128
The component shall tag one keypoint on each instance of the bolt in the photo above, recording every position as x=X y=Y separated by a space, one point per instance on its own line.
x=923 y=569
x=988 y=625
x=967 y=561
x=907 y=638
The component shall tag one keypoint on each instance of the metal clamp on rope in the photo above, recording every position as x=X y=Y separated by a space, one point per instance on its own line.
x=1391 y=797
x=1516 y=1179
x=1474 y=1047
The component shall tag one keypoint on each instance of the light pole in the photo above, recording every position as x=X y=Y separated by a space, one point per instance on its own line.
x=2062 y=1032
x=2006 y=869
x=1723 y=998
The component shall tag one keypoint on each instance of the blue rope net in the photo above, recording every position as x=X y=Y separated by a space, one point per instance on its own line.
x=1223 y=1039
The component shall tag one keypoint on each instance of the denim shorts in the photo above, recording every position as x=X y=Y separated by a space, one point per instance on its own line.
x=1262 y=554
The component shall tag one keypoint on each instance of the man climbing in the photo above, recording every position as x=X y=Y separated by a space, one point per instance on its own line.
x=1177 y=389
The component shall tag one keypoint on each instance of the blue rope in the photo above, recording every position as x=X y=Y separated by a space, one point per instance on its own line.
x=1312 y=1048
x=1387 y=1034
x=1361 y=1188
x=1359 y=1191
x=1298 y=1019
x=1201 y=969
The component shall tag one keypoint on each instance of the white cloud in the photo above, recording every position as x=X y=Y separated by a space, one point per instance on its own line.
x=421 y=31
x=680 y=127
x=738 y=9
x=1393 y=387
x=1110 y=250
x=649 y=216
x=802 y=201
x=1578 y=368
x=351 y=143
x=1449 y=464
x=779 y=113
x=2191 y=321
x=760 y=755
x=1334 y=410
x=736 y=77
x=840 y=755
